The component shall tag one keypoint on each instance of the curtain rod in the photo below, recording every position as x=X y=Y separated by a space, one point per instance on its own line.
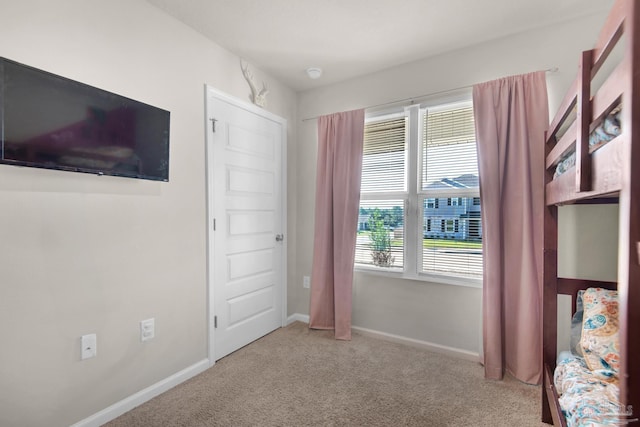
x=413 y=98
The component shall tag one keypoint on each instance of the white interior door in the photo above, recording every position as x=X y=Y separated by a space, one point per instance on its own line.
x=246 y=223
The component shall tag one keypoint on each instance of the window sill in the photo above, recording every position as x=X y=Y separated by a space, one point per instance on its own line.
x=422 y=277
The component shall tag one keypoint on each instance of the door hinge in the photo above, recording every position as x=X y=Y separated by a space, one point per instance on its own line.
x=215 y=322
x=213 y=124
x=214 y=224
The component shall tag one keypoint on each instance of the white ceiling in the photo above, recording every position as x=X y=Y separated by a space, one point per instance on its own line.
x=349 y=38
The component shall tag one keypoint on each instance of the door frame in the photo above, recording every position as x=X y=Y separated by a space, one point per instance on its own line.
x=210 y=236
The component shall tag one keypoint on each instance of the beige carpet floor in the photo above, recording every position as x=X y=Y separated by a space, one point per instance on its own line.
x=299 y=377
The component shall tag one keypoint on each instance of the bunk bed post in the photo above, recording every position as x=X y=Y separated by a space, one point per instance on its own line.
x=629 y=220
x=549 y=295
x=583 y=161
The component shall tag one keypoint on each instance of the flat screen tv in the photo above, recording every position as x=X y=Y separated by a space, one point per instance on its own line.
x=52 y=122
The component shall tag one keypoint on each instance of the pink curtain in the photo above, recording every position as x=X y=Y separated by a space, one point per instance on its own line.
x=511 y=116
x=340 y=139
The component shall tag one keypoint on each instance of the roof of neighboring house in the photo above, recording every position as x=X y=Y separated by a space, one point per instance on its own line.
x=462 y=181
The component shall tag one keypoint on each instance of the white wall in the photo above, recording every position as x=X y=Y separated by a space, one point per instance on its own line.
x=587 y=249
x=86 y=254
x=442 y=314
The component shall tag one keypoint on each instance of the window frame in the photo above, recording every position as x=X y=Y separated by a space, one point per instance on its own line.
x=413 y=196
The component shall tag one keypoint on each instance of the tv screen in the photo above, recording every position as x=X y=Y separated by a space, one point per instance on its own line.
x=48 y=121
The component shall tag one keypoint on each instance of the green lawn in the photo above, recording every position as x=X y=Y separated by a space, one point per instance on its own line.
x=438 y=243
x=442 y=243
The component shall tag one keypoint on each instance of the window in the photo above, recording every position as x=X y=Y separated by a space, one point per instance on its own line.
x=420 y=205
x=449 y=226
x=383 y=194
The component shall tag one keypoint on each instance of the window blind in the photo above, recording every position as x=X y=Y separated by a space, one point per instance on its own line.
x=449 y=156
x=452 y=229
x=384 y=158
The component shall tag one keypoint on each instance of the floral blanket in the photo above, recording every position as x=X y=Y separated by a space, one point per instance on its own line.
x=587 y=400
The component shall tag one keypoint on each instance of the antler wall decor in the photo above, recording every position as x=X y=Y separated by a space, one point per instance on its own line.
x=258 y=97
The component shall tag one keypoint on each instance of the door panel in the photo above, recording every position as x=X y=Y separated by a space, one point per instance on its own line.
x=246 y=201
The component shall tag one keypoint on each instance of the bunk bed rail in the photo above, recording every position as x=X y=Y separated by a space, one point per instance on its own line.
x=579 y=114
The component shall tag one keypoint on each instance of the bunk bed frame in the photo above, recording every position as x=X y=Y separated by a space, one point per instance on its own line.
x=610 y=173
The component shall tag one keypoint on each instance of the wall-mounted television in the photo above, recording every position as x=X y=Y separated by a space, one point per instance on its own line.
x=48 y=121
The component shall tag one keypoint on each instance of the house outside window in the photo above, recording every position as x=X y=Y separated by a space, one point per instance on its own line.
x=420 y=206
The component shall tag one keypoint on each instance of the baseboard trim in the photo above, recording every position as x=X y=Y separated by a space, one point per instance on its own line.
x=436 y=348
x=137 y=399
x=297 y=317
x=426 y=345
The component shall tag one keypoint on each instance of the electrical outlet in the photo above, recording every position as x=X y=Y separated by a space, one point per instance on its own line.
x=89 y=346
x=306 y=282
x=147 y=329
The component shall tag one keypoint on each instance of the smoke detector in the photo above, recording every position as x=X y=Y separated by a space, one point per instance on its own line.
x=314 y=72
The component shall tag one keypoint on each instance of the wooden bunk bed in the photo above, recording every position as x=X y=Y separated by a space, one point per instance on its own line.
x=603 y=173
